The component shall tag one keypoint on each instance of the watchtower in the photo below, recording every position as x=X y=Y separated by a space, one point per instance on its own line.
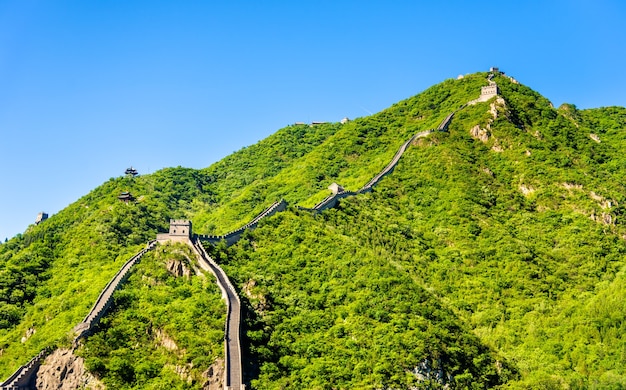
x=180 y=228
x=489 y=91
x=336 y=188
x=40 y=218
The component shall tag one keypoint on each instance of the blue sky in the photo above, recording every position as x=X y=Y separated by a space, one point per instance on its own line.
x=88 y=88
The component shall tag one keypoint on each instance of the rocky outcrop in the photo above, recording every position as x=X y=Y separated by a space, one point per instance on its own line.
x=183 y=371
x=165 y=341
x=526 y=189
x=604 y=218
x=29 y=333
x=258 y=300
x=497 y=147
x=64 y=370
x=484 y=134
x=480 y=134
x=214 y=376
x=572 y=186
x=498 y=105
x=178 y=268
x=432 y=370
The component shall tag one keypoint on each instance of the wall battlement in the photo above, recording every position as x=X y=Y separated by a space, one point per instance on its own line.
x=235 y=235
x=180 y=230
x=180 y=227
x=486 y=93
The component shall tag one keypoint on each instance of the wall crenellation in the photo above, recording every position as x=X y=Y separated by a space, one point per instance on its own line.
x=24 y=375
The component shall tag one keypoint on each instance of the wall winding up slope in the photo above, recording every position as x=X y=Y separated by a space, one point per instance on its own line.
x=22 y=378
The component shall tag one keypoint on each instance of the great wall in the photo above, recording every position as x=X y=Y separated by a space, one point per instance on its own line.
x=106 y=296
x=233 y=368
x=232 y=237
x=181 y=231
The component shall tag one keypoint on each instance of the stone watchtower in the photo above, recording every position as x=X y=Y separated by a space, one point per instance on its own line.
x=180 y=227
x=336 y=188
x=489 y=91
x=180 y=230
x=40 y=218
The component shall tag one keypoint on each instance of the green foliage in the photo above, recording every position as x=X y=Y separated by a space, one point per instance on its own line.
x=493 y=262
x=298 y=163
x=329 y=310
x=159 y=323
x=51 y=275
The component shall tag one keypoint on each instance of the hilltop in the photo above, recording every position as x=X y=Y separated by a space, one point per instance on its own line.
x=493 y=255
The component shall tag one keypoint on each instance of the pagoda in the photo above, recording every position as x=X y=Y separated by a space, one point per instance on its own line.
x=125 y=197
x=131 y=172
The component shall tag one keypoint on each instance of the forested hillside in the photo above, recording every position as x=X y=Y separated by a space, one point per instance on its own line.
x=493 y=255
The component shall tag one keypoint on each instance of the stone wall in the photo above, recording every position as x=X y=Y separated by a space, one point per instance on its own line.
x=339 y=192
x=233 y=368
x=106 y=296
x=24 y=377
x=181 y=230
x=234 y=236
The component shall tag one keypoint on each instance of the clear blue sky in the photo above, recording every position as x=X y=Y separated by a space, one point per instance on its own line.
x=88 y=88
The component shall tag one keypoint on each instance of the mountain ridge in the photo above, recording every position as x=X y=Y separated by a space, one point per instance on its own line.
x=516 y=118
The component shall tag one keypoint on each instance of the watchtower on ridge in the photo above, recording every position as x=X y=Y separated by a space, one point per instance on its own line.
x=180 y=231
x=180 y=228
x=336 y=188
x=489 y=91
x=41 y=217
x=486 y=93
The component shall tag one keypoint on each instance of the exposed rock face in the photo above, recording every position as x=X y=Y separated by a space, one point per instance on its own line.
x=572 y=186
x=604 y=218
x=64 y=370
x=178 y=268
x=259 y=301
x=183 y=371
x=479 y=133
x=214 y=376
x=484 y=134
x=29 y=332
x=432 y=370
x=526 y=190
x=165 y=341
x=497 y=147
x=499 y=107
x=602 y=201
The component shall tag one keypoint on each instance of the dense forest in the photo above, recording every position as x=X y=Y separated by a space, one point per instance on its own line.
x=493 y=256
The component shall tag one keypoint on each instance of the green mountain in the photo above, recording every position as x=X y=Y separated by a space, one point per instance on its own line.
x=492 y=256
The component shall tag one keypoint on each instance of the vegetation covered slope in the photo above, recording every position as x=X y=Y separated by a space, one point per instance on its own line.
x=520 y=234
x=166 y=329
x=492 y=255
